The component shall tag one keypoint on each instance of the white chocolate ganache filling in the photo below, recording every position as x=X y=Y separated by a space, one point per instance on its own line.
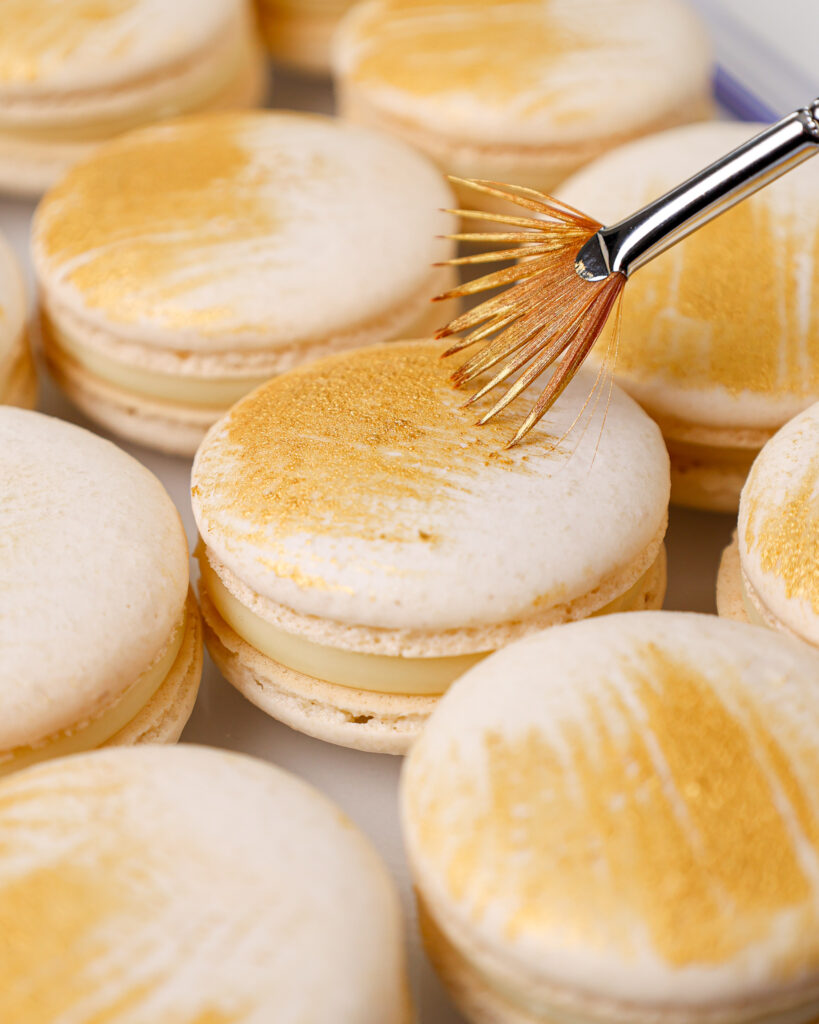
x=200 y=391
x=372 y=672
x=101 y=728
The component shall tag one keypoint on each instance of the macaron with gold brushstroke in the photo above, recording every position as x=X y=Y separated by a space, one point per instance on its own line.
x=769 y=575
x=100 y=636
x=720 y=335
x=617 y=821
x=364 y=543
x=76 y=72
x=523 y=91
x=183 y=265
x=190 y=886
x=300 y=32
x=18 y=379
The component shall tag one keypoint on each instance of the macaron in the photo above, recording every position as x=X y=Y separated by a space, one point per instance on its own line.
x=511 y=91
x=76 y=72
x=363 y=543
x=18 y=378
x=300 y=32
x=190 y=886
x=100 y=636
x=719 y=337
x=616 y=821
x=181 y=266
x=769 y=575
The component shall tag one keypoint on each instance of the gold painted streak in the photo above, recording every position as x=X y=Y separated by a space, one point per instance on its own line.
x=660 y=798
x=496 y=51
x=125 y=219
x=785 y=537
x=106 y=721
x=57 y=921
x=31 y=30
x=356 y=434
x=699 y=315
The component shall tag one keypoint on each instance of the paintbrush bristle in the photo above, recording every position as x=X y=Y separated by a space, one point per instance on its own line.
x=546 y=317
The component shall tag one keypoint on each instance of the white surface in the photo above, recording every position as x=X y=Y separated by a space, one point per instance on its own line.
x=364 y=785
x=789 y=28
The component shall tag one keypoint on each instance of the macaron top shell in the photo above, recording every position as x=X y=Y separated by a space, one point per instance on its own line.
x=723 y=329
x=270 y=229
x=93 y=574
x=359 y=489
x=49 y=46
x=626 y=808
x=778 y=531
x=12 y=308
x=194 y=886
x=524 y=71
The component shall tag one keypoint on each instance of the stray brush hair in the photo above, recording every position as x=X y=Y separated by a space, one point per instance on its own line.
x=546 y=317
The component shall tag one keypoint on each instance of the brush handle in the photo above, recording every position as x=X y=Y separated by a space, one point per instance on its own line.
x=626 y=246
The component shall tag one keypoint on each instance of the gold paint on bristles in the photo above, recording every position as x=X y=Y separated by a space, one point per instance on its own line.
x=546 y=317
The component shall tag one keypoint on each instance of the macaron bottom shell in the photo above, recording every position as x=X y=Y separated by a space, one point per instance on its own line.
x=485 y=1000
x=20 y=385
x=737 y=599
x=32 y=162
x=709 y=477
x=540 y=167
x=364 y=719
x=300 y=38
x=161 y=702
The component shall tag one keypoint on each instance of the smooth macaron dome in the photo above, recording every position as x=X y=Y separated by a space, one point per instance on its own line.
x=191 y=886
x=183 y=265
x=364 y=543
x=18 y=379
x=508 y=90
x=100 y=637
x=616 y=820
x=75 y=72
x=300 y=32
x=770 y=574
x=720 y=335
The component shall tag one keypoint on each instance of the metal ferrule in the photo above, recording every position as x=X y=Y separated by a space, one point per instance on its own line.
x=626 y=246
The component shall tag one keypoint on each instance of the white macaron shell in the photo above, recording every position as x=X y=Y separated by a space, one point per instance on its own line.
x=93 y=574
x=268 y=230
x=12 y=308
x=652 y=54
x=778 y=523
x=564 y=707
x=762 y=265
x=495 y=540
x=49 y=46
x=203 y=886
